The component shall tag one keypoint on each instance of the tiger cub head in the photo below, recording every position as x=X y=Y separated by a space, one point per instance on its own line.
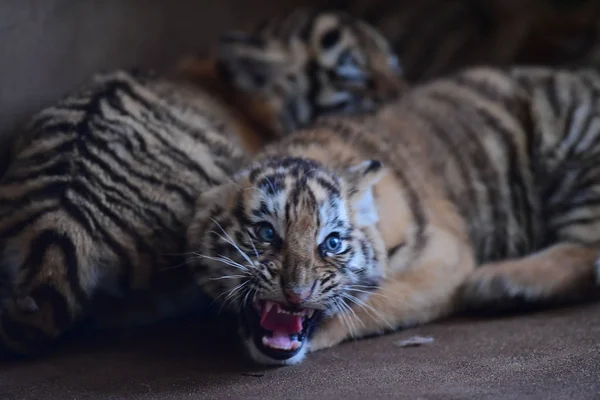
x=306 y=64
x=285 y=245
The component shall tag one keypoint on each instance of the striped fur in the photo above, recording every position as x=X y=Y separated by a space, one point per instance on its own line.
x=490 y=168
x=437 y=37
x=95 y=203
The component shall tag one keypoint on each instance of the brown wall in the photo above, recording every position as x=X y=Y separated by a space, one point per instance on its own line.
x=49 y=47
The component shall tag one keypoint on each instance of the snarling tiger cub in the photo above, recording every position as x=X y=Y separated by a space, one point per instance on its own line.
x=363 y=225
x=96 y=200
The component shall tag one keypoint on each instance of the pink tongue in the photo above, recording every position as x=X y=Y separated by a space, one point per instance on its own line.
x=280 y=341
x=279 y=323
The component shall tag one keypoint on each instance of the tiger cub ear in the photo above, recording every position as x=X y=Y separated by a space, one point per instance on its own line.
x=208 y=203
x=224 y=193
x=362 y=178
x=216 y=195
x=247 y=60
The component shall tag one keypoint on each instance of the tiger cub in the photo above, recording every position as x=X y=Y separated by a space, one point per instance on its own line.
x=96 y=200
x=364 y=225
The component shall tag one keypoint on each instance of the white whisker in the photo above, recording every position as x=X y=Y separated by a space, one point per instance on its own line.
x=225 y=260
x=232 y=242
x=367 y=308
x=227 y=277
x=351 y=311
x=229 y=293
x=364 y=286
x=182 y=264
x=187 y=253
x=270 y=184
x=374 y=293
x=234 y=245
x=196 y=256
x=246 y=297
x=234 y=295
x=252 y=243
x=258 y=189
x=345 y=317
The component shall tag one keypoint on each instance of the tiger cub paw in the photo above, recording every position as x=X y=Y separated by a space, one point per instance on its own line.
x=490 y=288
x=329 y=334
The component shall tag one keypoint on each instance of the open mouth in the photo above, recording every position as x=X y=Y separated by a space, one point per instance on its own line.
x=277 y=330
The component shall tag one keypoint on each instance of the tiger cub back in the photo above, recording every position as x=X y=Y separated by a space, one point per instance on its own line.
x=97 y=197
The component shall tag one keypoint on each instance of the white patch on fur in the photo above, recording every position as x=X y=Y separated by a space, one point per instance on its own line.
x=322 y=24
x=365 y=206
x=273 y=203
x=366 y=209
x=327 y=213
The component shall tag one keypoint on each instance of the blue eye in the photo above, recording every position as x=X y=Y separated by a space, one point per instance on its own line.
x=266 y=232
x=332 y=243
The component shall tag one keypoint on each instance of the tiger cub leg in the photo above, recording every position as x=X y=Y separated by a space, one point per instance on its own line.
x=564 y=271
x=423 y=292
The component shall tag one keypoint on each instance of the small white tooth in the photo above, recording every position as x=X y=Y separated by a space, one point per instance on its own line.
x=265 y=340
x=268 y=306
x=310 y=313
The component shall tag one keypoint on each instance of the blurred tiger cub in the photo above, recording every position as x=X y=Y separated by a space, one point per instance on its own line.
x=477 y=190
x=97 y=197
x=436 y=37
